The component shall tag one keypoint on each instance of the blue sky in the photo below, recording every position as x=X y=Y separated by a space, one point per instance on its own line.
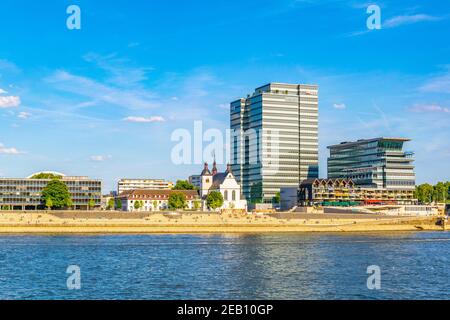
x=103 y=101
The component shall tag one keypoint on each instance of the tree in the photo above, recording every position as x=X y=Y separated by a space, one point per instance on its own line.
x=49 y=203
x=155 y=205
x=277 y=198
x=43 y=176
x=119 y=204
x=440 y=193
x=177 y=201
x=111 y=204
x=424 y=193
x=197 y=204
x=91 y=204
x=138 y=204
x=57 y=192
x=427 y=193
x=183 y=185
x=214 y=200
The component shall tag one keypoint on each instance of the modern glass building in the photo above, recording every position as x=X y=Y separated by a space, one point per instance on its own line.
x=25 y=194
x=375 y=163
x=274 y=140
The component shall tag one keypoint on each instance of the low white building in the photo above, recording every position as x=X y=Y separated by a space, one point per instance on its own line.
x=226 y=184
x=147 y=184
x=154 y=200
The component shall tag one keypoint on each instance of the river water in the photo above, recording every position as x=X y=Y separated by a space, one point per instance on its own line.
x=301 y=266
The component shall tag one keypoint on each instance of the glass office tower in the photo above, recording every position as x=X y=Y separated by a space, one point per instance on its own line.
x=274 y=139
x=375 y=163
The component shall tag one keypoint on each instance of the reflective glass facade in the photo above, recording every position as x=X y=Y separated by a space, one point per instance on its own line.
x=274 y=139
x=375 y=163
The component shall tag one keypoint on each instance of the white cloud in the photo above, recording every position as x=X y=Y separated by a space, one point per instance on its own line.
x=9 y=67
x=339 y=106
x=24 y=115
x=100 y=158
x=433 y=108
x=119 y=69
x=399 y=21
x=10 y=151
x=408 y=19
x=128 y=98
x=145 y=119
x=3 y=91
x=440 y=84
x=9 y=102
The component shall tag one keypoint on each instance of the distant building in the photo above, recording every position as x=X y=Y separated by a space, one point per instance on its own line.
x=106 y=198
x=26 y=194
x=274 y=139
x=154 y=200
x=336 y=192
x=225 y=183
x=144 y=184
x=374 y=163
x=195 y=180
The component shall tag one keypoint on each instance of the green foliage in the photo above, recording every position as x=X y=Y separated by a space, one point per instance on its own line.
x=155 y=205
x=111 y=204
x=197 y=204
x=6 y=208
x=177 y=201
x=183 y=185
x=427 y=193
x=49 y=203
x=119 y=204
x=214 y=200
x=91 y=203
x=57 y=194
x=277 y=198
x=138 y=204
x=46 y=176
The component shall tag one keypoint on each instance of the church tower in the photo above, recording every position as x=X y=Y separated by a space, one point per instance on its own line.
x=206 y=181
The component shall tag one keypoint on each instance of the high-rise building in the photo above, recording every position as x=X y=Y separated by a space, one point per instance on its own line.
x=374 y=163
x=274 y=139
x=143 y=184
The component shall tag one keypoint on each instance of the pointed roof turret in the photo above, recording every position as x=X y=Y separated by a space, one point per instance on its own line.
x=206 y=171
x=214 y=169
x=229 y=170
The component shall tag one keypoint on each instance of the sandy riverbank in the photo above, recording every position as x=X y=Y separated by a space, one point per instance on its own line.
x=188 y=223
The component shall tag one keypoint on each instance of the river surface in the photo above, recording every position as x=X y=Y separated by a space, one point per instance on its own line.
x=303 y=266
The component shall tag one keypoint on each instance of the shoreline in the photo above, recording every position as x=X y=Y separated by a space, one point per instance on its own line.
x=195 y=223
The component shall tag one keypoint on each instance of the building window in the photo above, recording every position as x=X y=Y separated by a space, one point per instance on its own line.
x=233 y=195
x=226 y=195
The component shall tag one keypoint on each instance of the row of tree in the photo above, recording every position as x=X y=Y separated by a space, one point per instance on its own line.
x=426 y=193
x=177 y=201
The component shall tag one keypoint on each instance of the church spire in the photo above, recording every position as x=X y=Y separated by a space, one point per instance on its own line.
x=214 y=169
